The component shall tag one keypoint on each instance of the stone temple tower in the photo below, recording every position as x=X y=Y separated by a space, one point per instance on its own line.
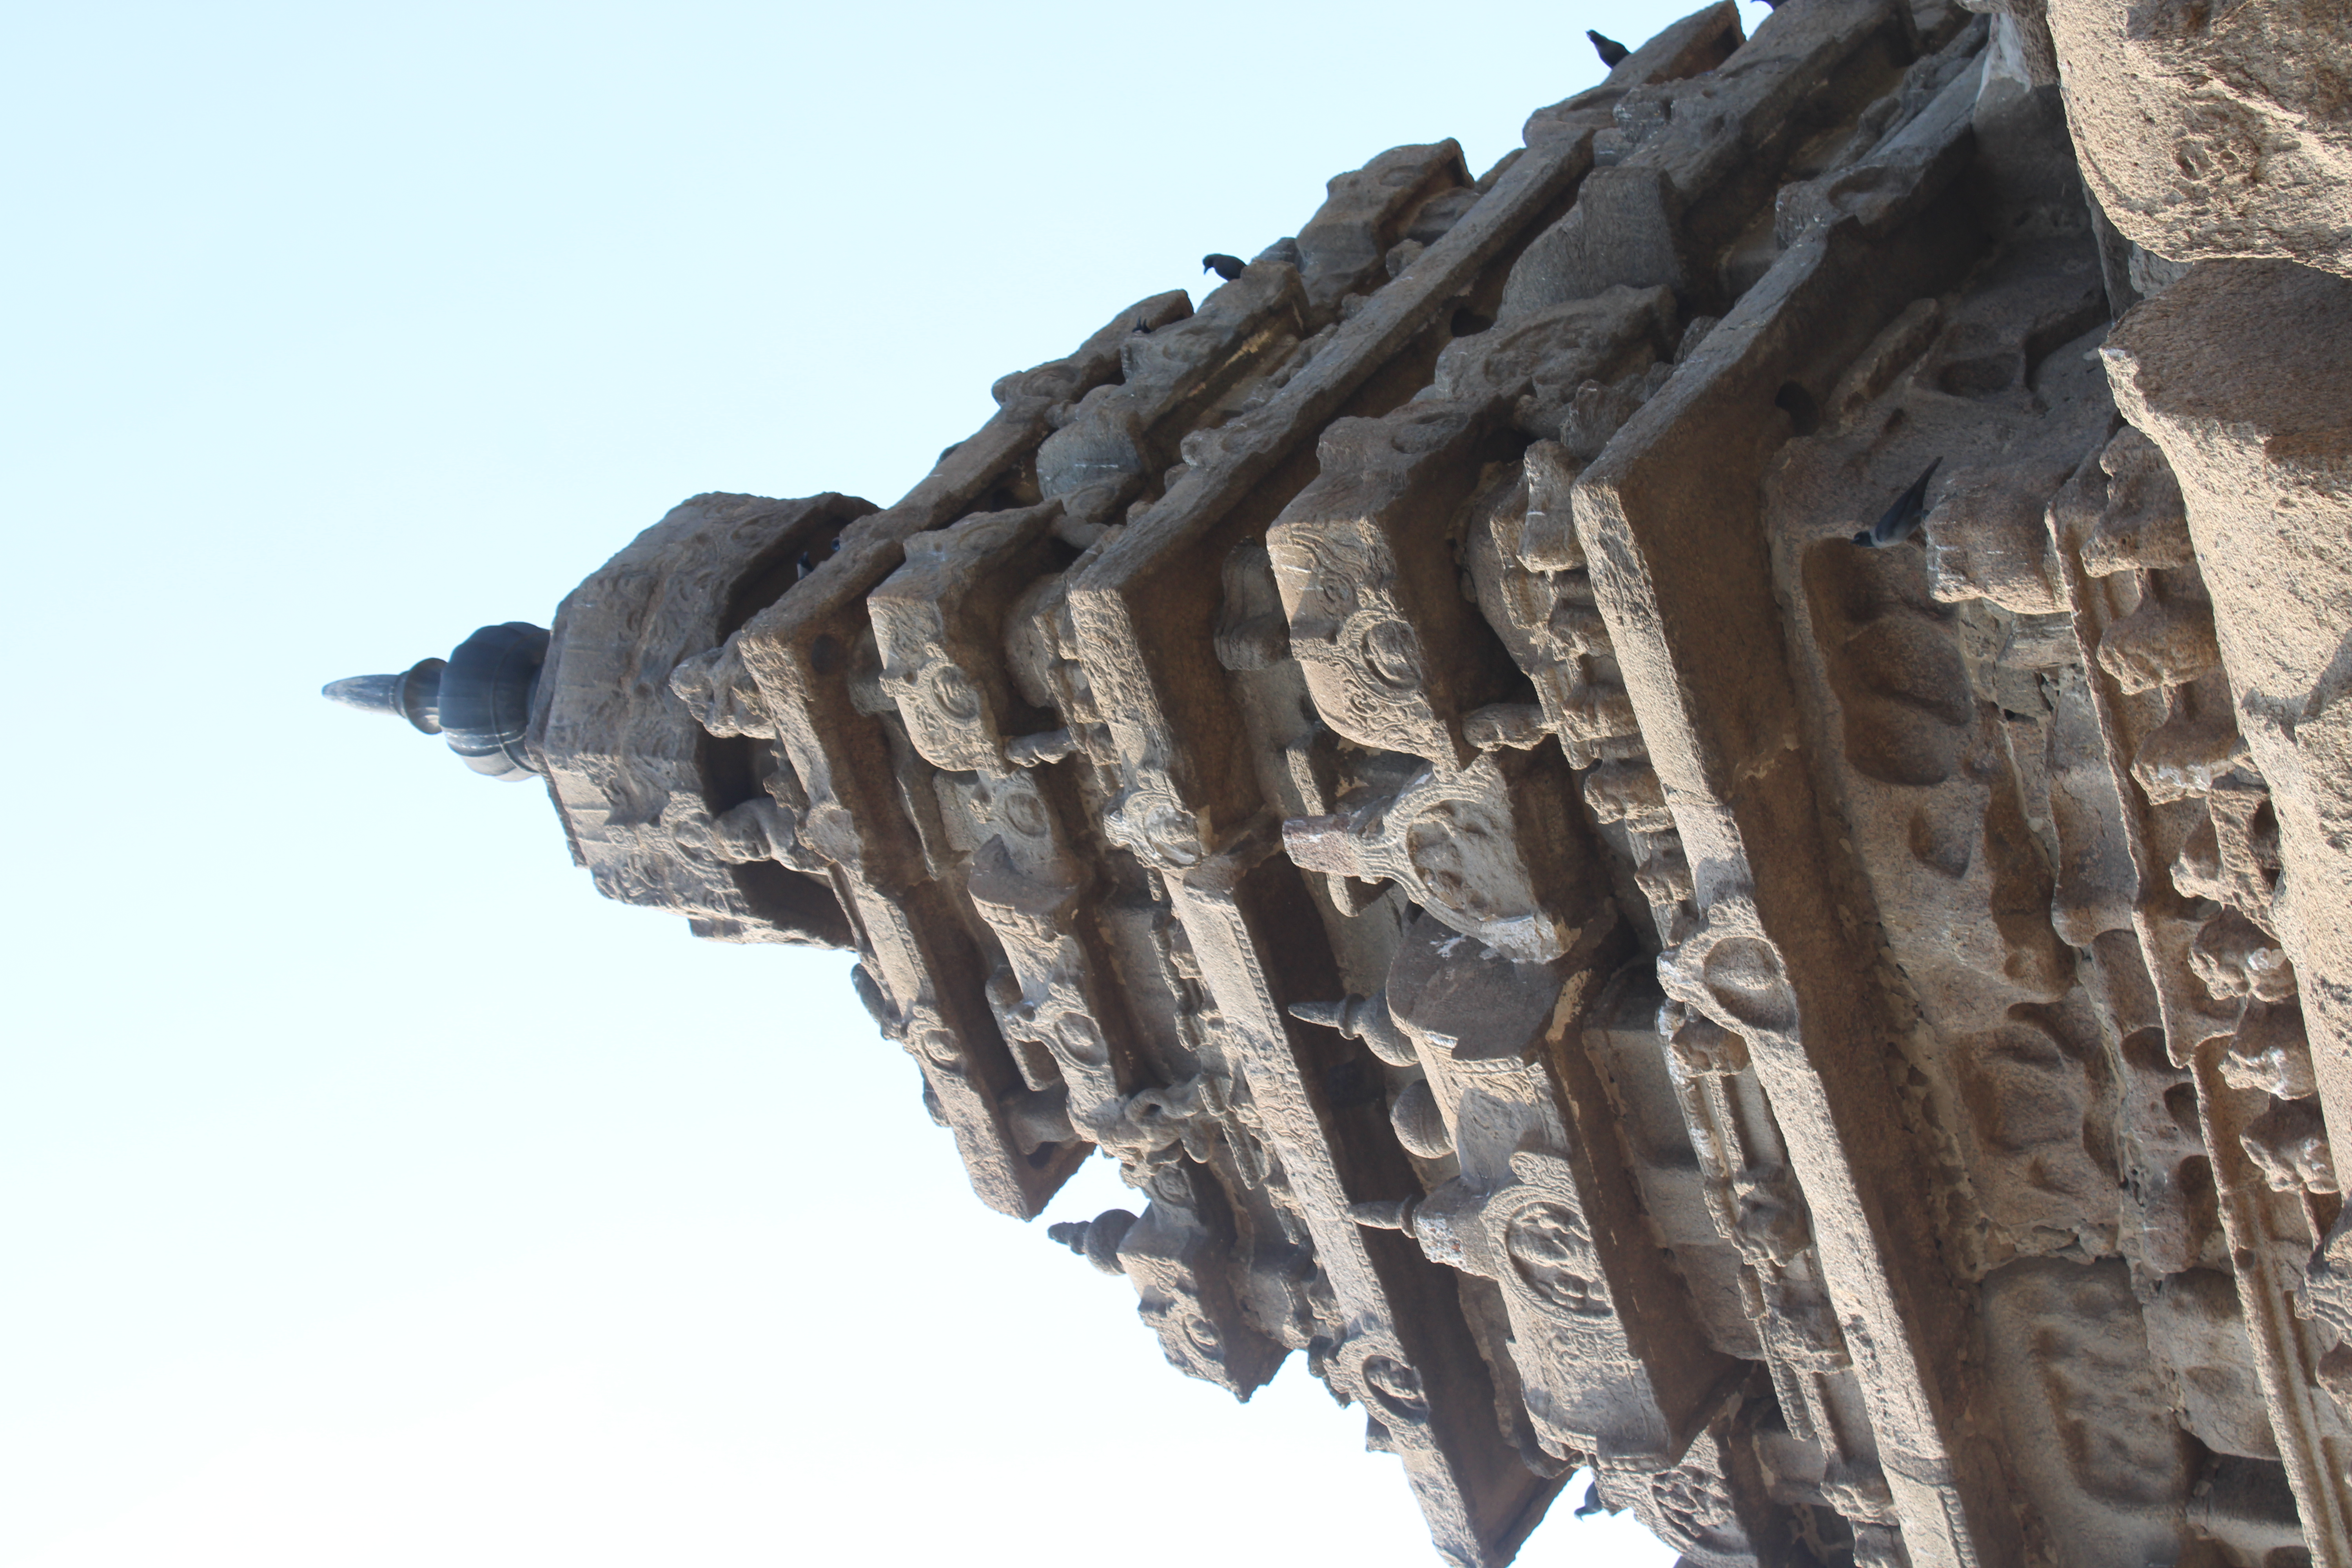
x=1681 y=805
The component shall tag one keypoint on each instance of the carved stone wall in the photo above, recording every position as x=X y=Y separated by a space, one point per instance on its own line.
x=1412 y=757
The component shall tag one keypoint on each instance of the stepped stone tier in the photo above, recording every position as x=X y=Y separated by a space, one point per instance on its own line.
x=1843 y=1036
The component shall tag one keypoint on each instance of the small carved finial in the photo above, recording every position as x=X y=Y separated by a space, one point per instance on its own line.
x=1364 y=1018
x=1393 y=1213
x=1096 y=1240
x=1327 y=1013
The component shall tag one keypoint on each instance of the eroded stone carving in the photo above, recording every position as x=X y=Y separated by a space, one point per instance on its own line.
x=1410 y=760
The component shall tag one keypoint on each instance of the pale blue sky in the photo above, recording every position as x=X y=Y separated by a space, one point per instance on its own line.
x=371 y=1193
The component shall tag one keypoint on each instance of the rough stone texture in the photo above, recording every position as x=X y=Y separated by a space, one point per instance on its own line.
x=659 y=811
x=1410 y=760
x=2215 y=130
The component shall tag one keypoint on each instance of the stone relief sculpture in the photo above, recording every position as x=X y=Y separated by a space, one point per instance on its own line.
x=1681 y=807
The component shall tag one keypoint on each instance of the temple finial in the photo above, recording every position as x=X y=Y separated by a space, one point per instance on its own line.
x=415 y=694
x=478 y=698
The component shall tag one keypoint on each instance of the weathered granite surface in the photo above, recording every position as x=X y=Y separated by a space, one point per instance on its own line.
x=1411 y=758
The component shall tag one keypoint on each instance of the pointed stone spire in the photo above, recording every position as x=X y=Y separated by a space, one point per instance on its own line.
x=413 y=695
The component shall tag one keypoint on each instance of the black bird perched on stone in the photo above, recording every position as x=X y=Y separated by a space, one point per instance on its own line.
x=1225 y=267
x=1902 y=519
x=1610 y=50
x=1592 y=1504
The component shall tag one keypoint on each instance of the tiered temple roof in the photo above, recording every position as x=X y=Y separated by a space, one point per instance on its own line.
x=1410 y=757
